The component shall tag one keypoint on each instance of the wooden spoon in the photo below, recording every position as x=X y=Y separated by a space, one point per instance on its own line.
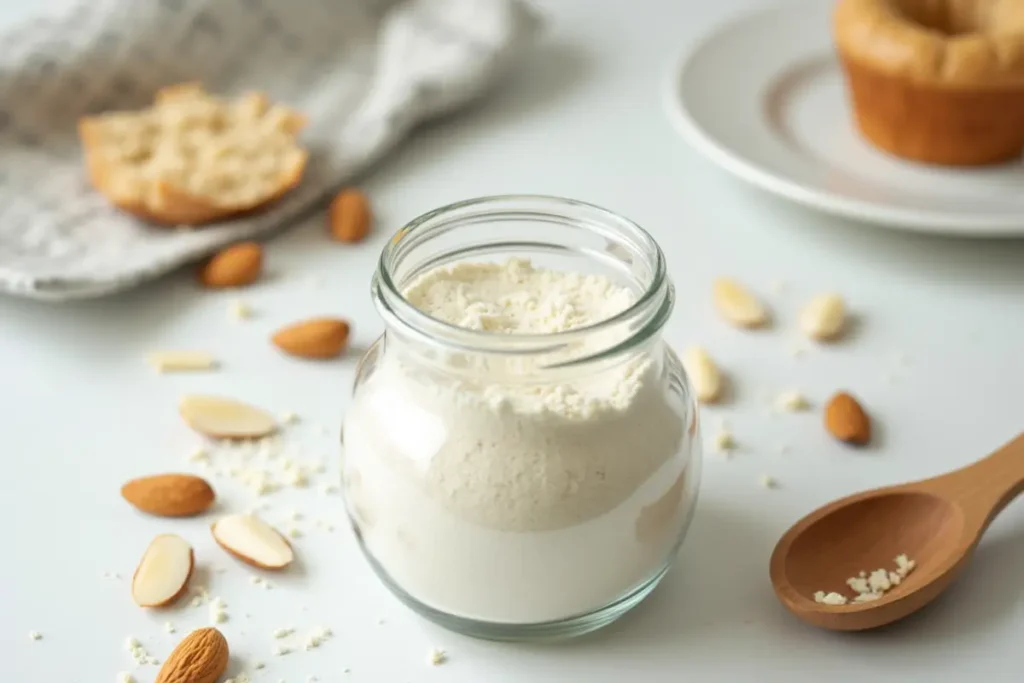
x=936 y=522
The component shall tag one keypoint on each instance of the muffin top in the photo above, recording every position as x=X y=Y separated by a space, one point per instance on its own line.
x=958 y=43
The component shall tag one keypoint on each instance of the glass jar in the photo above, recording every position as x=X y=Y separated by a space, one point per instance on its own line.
x=522 y=486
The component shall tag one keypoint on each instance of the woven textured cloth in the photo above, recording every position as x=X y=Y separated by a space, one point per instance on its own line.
x=363 y=71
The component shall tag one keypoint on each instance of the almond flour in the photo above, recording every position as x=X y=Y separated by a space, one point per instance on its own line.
x=504 y=500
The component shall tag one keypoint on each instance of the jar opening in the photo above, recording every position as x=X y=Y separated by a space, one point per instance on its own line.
x=552 y=232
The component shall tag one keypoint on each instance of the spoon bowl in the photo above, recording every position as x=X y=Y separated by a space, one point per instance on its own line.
x=936 y=523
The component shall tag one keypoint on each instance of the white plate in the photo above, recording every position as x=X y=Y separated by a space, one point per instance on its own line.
x=763 y=96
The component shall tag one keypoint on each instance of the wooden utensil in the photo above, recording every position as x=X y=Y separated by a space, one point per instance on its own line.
x=936 y=522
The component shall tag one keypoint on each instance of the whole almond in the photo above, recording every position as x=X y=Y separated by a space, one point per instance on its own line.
x=350 y=216
x=201 y=657
x=169 y=495
x=846 y=420
x=317 y=338
x=236 y=266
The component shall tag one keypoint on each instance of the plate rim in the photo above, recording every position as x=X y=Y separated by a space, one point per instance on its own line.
x=916 y=220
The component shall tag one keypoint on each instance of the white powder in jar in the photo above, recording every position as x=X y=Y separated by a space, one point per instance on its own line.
x=491 y=497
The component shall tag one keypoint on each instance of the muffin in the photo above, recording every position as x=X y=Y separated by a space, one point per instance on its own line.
x=936 y=81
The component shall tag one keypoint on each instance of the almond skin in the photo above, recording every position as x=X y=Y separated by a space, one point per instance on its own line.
x=318 y=338
x=201 y=657
x=350 y=216
x=236 y=266
x=169 y=495
x=846 y=420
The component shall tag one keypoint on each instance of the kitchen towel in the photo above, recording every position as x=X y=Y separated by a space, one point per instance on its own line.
x=363 y=71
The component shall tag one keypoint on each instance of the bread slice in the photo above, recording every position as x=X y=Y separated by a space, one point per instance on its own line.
x=193 y=158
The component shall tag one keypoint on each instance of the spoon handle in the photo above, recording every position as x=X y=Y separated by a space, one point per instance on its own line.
x=984 y=488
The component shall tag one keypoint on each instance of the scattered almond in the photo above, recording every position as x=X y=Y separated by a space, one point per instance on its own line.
x=236 y=266
x=163 y=571
x=318 y=338
x=823 y=317
x=707 y=380
x=169 y=495
x=181 y=361
x=253 y=541
x=350 y=216
x=737 y=305
x=223 y=418
x=201 y=657
x=846 y=420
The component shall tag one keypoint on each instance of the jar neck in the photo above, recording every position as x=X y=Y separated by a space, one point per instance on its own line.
x=581 y=236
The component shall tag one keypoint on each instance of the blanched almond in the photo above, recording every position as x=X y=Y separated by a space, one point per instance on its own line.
x=823 y=317
x=737 y=305
x=163 y=572
x=253 y=541
x=223 y=418
x=181 y=361
x=707 y=380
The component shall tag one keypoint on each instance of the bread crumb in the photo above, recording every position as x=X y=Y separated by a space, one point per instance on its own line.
x=829 y=598
x=791 y=402
x=35 y=635
x=437 y=657
x=768 y=482
x=870 y=586
x=125 y=677
x=239 y=310
x=724 y=442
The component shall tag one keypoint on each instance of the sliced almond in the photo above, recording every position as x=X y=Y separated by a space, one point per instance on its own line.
x=823 y=317
x=163 y=572
x=253 y=541
x=707 y=380
x=737 y=305
x=181 y=361
x=223 y=418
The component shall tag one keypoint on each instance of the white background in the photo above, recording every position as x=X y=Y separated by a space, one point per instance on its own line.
x=935 y=355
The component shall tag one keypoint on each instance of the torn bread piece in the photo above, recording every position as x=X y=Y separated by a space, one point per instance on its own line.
x=193 y=158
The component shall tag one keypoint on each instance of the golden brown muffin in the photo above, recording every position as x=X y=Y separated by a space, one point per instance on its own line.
x=193 y=158
x=936 y=81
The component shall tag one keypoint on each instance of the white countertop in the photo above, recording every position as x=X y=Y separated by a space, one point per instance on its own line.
x=936 y=358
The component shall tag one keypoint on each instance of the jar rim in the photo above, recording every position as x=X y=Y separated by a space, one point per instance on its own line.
x=649 y=311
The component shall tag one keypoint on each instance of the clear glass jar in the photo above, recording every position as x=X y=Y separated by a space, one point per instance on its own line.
x=513 y=486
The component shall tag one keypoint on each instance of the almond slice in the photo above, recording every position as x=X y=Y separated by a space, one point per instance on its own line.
x=737 y=304
x=707 y=380
x=223 y=418
x=823 y=317
x=181 y=361
x=163 y=571
x=252 y=541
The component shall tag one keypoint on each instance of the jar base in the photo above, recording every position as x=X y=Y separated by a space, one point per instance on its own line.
x=561 y=629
